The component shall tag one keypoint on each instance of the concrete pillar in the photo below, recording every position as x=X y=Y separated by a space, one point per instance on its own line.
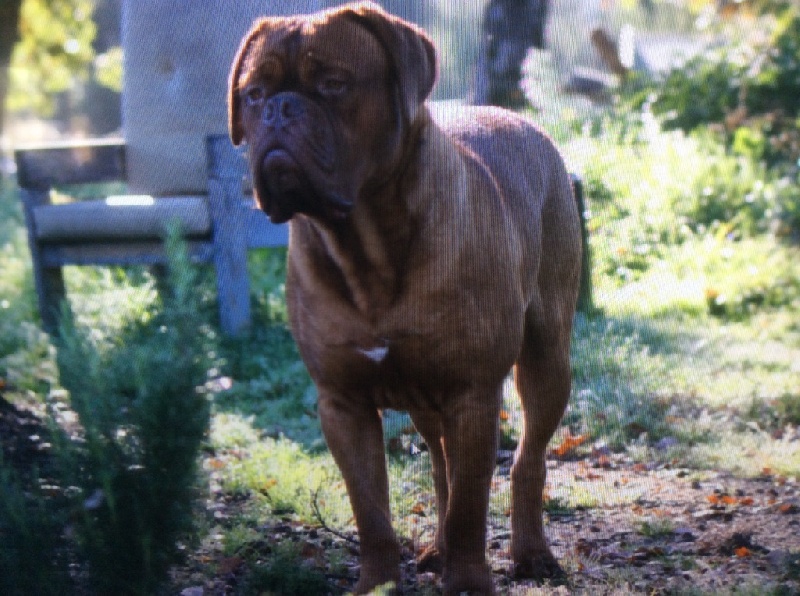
x=176 y=59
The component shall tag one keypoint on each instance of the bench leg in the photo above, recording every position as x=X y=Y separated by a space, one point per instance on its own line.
x=230 y=257
x=585 y=302
x=49 y=281
x=51 y=294
x=226 y=171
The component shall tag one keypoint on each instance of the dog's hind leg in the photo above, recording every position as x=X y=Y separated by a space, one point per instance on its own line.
x=543 y=379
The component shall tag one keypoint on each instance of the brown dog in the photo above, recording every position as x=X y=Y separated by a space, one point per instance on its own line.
x=427 y=256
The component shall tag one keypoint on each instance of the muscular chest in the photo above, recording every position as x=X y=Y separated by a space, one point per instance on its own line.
x=426 y=344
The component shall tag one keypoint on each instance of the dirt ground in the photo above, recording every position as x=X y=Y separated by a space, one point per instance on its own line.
x=650 y=530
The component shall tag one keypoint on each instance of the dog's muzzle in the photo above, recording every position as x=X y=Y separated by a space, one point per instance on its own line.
x=295 y=169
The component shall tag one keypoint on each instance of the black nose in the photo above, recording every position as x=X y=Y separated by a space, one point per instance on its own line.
x=283 y=109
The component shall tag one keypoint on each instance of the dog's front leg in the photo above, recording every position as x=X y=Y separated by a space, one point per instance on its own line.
x=429 y=425
x=354 y=435
x=470 y=448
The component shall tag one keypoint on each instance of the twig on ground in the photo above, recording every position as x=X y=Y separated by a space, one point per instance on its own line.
x=321 y=520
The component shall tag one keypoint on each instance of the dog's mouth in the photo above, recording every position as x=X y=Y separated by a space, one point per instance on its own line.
x=284 y=187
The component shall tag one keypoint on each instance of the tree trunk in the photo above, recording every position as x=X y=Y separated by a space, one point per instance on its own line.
x=9 y=33
x=510 y=27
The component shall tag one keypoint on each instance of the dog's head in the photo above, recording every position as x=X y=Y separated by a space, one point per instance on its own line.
x=324 y=102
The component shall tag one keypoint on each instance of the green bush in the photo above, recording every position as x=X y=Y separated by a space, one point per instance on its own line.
x=284 y=572
x=144 y=414
x=731 y=191
x=30 y=529
x=788 y=408
x=703 y=90
x=749 y=90
x=747 y=276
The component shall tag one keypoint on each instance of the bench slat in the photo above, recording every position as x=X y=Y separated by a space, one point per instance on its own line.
x=118 y=253
x=110 y=219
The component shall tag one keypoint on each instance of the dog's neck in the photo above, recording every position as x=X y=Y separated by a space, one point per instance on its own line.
x=374 y=248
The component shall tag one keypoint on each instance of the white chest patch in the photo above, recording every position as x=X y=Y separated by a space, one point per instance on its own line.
x=377 y=355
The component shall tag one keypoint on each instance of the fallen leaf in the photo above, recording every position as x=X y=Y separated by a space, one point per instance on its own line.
x=603 y=462
x=215 y=463
x=721 y=499
x=787 y=508
x=311 y=550
x=230 y=565
x=268 y=484
x=569 y=444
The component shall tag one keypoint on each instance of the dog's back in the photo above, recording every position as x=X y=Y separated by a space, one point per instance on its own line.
x=535 y=187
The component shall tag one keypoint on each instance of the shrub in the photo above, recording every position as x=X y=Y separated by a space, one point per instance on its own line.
x=748 y=276
x=748 y=89
x=29 y=541
x=284 y=572
x=144 y=419
x=703 y=90
x=728 y=190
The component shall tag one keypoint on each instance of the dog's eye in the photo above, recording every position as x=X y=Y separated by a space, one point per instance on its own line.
x=332 y=86
x=254 y=95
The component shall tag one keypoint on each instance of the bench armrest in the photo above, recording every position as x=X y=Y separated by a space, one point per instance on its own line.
x=40 y=167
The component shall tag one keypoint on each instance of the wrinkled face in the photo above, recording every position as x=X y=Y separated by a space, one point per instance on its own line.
x=318 y=101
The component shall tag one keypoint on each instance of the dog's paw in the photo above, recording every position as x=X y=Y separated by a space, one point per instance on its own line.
x=540 y=567
x=430 y=561
x=473 y=578
x=379 y=572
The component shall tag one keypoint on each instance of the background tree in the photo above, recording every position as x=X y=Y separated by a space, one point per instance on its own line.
x=56 y=53
x=9 y=33
x=510 y=28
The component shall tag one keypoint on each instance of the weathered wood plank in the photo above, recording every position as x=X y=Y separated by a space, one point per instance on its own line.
x=585 y=301
x=122 y=218
x=117 y=253
x=226 y=171
x=78 y=162
x=49 y=282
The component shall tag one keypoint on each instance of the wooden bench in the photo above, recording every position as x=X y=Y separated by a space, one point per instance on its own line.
x=128 y=230
x=219 y=227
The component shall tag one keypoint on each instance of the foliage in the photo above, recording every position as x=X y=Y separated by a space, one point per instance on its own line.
x=55 y=53
x=55 y=48
x=652 y=200
x=26 y=358
x=29 y=541
x=266 y=377
x=749 y=89
x=108 y=69
x=144 y=415
x=278 y=472
x=284 y=572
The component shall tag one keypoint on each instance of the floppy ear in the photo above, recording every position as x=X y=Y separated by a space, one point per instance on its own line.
x=411 y=53
x=234 y=112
